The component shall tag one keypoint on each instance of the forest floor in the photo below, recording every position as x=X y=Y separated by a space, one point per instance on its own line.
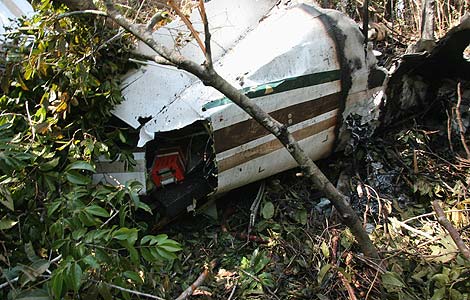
x=298 y=248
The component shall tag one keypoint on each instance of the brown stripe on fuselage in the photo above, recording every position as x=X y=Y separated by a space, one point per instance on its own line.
x=243 y=132
x=273 y=145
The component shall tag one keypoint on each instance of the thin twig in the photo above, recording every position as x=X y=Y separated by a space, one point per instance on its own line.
x=82 y=12
x=454 y=234
x=233 y=290
x=129 y=290
x=200 y=280
x=414 y=230
x=110 y=218
x=207 y=34
x=188 y=24
x=30 y=121
x=459 y=120
x=259 y=281
x=433 y=213
x=9 y=282
x=155 y=58
x=372 y=284
x=255 y=207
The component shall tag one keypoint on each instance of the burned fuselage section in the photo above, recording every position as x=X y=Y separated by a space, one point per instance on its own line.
x=305 y=66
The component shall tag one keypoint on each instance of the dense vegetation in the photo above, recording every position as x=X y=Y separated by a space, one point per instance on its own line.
x=62 y=236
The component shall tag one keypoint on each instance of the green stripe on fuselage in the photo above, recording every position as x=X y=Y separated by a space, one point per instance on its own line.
x=280 y=86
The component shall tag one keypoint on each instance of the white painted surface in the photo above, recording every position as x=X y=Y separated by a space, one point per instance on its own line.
x=117 y=173
x=10 y=9
x=287 y=43
x=275 y=162
x=268 y=138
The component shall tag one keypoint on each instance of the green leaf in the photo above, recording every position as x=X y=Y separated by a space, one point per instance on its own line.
x=30 y=253
x=91 y=261
x=439 y=294
x=144 y=207
x=301 y=216
x=127 y=234
x=53 y=207
x=170 y=242
x=102 y=256
x=57 y=283
x=146 y=239
x=81 y=165
x=133 y=276
x=161 y=238
x=325 y=250
x=171 y=248
x=392 y=282
x=76 y=274
x=77 y=178
x=78 y=233
x=134 y=254
x=87 y=219
x=323 y=271
x=51 y=164
x=147 y=255
x=7 y=200
x=268 y=210
x=165 y=254
x=6 y=223
x=97 y=211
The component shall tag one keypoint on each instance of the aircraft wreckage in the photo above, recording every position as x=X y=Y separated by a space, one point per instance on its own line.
x=304 y=65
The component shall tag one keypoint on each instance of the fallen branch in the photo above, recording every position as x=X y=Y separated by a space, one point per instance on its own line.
x=347 y=285
x=454 y=234
x=334 y=262
x=414 y=230
x=200 y=280
x=255 y=206
x=208 y=75
x=137 y=293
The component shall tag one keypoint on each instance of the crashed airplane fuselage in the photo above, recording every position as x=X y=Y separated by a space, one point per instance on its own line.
x=304 y=65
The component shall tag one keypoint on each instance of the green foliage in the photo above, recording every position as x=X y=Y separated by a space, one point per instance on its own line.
x=63 y=237
x=253 y=279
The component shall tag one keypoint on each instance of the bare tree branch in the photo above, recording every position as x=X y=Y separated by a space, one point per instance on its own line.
x=188 y=24
x=454 y=234
x=155 y=58
x=200 y=280
x=207 y=34
x=82 y=12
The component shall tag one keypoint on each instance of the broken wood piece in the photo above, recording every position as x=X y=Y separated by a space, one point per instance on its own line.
x=454 y=234
x=255 y=206
x=200 y=280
